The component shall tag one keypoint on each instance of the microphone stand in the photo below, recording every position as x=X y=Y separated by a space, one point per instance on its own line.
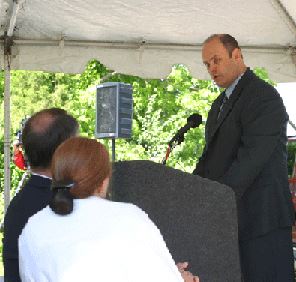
x=171 y=145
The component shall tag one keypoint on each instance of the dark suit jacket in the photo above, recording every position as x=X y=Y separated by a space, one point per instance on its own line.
x=246 y=150
x=33 y=197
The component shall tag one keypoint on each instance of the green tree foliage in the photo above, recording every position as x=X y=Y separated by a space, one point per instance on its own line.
x=160 y=108
x=263 y=74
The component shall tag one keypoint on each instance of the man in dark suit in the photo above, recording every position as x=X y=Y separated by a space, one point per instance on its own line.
x=42 y=134
x=246 y=150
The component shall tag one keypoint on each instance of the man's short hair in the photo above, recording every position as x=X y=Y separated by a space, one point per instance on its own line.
x=228 y=41
x=44 y=132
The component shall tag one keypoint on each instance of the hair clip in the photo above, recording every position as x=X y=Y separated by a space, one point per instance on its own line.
x=61 y=185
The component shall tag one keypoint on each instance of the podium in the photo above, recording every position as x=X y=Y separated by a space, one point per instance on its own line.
x=197 y=217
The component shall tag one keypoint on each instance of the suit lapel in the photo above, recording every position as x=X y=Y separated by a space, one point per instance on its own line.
x=227 y=108
x=212 y=117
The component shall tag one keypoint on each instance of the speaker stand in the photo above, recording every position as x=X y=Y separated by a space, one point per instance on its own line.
x=113 y=150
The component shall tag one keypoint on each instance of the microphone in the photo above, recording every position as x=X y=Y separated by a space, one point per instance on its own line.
x=192 y=121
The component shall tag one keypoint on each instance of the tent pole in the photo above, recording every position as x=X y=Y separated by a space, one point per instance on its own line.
x=7 y=56
x=6 y=131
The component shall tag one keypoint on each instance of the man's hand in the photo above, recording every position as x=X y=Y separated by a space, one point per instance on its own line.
x=186 y=275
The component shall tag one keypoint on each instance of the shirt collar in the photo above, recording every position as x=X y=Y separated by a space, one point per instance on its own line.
x=41 y=175
x=230 y=89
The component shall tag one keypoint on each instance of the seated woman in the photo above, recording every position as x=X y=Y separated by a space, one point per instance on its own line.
x=81 y=236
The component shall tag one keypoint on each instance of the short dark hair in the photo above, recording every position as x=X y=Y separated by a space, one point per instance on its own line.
x=228 y=41
x=44 y=132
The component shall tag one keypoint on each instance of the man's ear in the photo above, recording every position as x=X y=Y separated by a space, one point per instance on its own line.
x=236 y=54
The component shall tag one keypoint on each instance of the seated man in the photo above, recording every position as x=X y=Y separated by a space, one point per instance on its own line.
x=42 y=134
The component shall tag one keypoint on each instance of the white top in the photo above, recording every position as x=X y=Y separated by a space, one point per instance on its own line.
x=99 y=241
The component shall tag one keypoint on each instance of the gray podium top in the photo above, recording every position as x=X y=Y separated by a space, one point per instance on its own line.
x=197 y=217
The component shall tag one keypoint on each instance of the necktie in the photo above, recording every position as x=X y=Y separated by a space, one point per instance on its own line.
x=224 y=100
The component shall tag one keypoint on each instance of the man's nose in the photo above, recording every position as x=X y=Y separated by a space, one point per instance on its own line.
x=212 y=69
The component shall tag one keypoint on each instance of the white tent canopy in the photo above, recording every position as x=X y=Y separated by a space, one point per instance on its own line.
x=137 y=37
x=146 y=38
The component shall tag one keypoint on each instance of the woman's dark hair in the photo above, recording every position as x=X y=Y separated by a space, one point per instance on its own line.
x=79 y=167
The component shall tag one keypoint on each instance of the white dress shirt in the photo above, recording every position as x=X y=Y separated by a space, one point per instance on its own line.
x=99 y=241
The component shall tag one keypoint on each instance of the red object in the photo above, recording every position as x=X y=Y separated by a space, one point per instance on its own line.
x=168 y=152
x=19 y=160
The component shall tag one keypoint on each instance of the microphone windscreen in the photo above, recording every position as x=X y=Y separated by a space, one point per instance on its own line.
x=194 y=120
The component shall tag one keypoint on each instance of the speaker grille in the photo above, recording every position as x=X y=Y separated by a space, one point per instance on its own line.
x=114 y=110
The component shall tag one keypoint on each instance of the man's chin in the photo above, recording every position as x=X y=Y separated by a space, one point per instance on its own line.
x=218 y=83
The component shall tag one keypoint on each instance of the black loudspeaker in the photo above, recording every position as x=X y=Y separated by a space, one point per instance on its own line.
x=114 y=110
